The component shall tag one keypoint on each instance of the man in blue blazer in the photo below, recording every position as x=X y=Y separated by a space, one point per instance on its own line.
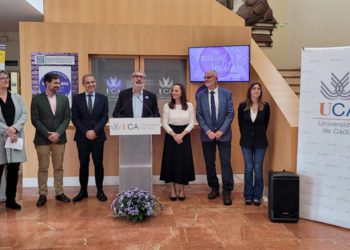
x=136 y=101
x=215 y=113
x=89 y=116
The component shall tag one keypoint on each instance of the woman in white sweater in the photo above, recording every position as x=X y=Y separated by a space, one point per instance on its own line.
x=177 y=162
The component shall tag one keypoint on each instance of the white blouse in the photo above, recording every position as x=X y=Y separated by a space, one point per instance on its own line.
x=253 y=114
x=178 y=117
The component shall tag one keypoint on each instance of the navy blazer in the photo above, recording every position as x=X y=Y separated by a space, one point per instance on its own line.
x=225 y=114
x=253 y=134
x=123 y=108
x=84 y=121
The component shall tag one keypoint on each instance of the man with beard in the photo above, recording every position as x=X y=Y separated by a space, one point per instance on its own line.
x=50 y=115
x=215 y=113
x=136 y=101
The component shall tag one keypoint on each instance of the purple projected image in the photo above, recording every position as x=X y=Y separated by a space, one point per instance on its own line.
x=230 y=62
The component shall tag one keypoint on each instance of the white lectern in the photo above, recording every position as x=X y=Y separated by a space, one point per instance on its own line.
x=135 y=150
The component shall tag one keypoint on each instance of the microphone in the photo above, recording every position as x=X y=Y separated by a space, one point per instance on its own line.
x=144 y=104
x=122 y=108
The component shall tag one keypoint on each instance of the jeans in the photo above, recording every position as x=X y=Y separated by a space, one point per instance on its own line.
x=253 y=162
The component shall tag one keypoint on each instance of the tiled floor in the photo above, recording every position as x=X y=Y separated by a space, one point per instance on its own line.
x=196 y=223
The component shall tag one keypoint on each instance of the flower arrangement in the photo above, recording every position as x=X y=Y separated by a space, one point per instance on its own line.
x=135 y=204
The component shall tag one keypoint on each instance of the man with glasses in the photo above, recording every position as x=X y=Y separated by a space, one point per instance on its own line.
x=214 y=115
x=136 y=101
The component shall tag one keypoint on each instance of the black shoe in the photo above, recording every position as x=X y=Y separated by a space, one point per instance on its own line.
x=82 y=195
x=213 y=194
x=62 y=197
x=257 y=202
x=13 y=204
x=172 y=198
x=182 y=198
x=41 y=201
x=101 y=196
x=248 y=202
x=227 y=200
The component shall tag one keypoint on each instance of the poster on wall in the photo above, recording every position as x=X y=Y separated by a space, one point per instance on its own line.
x=2 y=56
x=324 y=136
x=65 y=65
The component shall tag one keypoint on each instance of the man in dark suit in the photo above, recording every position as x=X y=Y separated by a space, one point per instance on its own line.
x=214 y=115
x=136 y=101
x=89 y=116
x=50 y=115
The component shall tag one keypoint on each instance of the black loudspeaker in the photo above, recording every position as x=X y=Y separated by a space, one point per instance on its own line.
x=283 y=197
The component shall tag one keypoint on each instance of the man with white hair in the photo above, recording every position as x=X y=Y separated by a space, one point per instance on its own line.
x=136 y=101
x=214 y=115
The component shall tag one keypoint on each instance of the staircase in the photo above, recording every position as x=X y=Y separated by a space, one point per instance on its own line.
x=292 y=77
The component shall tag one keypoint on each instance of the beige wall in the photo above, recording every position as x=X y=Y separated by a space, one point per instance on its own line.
x=311 y=23
x=87 y=27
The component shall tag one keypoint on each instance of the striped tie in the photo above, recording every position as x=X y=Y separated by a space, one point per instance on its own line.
x=213 y=109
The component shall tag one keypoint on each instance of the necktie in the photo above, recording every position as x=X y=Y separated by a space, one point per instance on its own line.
x=90 y=103
x=213 y=109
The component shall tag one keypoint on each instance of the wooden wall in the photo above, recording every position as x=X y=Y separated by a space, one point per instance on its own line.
x=149 y=28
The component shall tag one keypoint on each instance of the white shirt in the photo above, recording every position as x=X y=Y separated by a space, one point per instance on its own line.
x=137 y=105
x=53 y=102
x=216 y=98
x=178 y=117
x=253 y=114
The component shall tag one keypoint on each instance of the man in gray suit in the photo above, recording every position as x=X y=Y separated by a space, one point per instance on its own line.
x=214 y=115
x=50 y=115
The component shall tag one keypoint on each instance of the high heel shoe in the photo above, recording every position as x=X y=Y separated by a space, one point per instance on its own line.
x=182 y=198
x=172 y=198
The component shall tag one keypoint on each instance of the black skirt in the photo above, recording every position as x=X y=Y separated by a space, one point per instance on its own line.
x=177 y=162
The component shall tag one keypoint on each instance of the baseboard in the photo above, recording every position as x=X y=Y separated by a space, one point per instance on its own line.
x=114 y=180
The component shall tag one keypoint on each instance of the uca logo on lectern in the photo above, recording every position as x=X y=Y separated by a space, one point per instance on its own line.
x=337 y=89
x=165 y=87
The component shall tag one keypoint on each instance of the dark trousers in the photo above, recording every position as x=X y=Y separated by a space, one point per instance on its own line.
x=11 y=179
x=96 y=150
x=209 y=152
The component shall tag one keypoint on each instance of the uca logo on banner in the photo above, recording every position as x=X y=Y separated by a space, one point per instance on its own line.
x=338 y=92
x=113 y=85
x=165 y=87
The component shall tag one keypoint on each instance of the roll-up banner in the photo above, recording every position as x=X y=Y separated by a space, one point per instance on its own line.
x=324 y=136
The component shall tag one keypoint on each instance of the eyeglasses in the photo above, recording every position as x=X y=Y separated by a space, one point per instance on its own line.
x=5 y=78
x=208 y=77
x=138 y=76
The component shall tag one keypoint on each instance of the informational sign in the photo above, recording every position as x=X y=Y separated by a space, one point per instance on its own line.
x=65 y=65
x=2 y=56
x=324 y=136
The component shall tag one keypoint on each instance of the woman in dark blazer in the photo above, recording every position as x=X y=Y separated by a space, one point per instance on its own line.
x=253 y=119
x=12 y=118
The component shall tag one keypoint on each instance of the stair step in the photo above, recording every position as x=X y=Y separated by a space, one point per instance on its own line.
x=293 y=81
x=292 y=73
